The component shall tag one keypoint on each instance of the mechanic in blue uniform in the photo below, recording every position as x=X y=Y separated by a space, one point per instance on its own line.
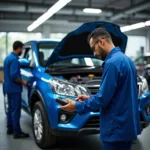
x=13 y=88
x=117 y=97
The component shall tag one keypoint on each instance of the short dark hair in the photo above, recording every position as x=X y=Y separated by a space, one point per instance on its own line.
x=17 y=44
x=99 y=32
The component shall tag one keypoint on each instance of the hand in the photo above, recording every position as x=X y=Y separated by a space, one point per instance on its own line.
x=70 y=107
x=82 y=98
x=25 y=83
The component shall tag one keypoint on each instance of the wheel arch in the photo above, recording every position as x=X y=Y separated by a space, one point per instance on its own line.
x=35 y=97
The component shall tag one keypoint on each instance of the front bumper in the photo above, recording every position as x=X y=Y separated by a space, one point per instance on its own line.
x=85 y=124
x=90 y=127
x=81 y=132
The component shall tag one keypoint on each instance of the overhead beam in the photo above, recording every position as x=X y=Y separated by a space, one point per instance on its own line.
x=132 y=9
x=89 y=3
x=132 y=2
x=42 y=8
x=139 y=16
x=38 y=8
x=10 y=6
x=73 y=18
x=56 y=26
x=32 y=17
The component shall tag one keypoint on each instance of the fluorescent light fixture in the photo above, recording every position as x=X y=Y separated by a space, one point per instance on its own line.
x=92 y=10
x=147 y=23
x=125 y=28
x=50 y=12
x=135 y=26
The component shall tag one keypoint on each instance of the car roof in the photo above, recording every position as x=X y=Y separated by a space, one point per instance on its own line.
x=43 y=41
x=49 y=40
x=147 y=54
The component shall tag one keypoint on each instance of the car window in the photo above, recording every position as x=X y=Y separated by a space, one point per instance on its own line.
x=44 y=51
x=23 y=53
x=139 y=60
x=97 y=62
x=75 y=61
x=28 y=54
x=147 y=60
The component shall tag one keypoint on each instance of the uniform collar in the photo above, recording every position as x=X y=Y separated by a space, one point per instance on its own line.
x=114 y=50
x=14 y=54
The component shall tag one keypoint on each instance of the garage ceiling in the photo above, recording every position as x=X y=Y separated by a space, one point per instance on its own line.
x=24 y=12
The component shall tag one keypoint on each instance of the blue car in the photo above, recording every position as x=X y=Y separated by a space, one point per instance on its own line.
x=66 y=69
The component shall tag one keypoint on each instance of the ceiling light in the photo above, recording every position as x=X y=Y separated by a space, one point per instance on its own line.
x=125 y=28
x=92 y=10
x=147 y=23
x=50 y=12
x=135 y=26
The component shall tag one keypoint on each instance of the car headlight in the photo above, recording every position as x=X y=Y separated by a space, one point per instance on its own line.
x=144 y=85
x=65 y=88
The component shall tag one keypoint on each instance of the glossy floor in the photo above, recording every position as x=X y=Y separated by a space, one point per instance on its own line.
x=81 y=143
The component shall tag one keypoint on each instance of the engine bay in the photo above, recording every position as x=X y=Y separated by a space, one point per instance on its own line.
x=89 y=80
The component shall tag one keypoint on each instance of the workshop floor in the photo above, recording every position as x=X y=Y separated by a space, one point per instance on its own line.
x=81 y=143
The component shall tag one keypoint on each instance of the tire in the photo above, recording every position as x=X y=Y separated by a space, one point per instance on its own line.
x=41 y=127
x=6 y=103
x=144 y=125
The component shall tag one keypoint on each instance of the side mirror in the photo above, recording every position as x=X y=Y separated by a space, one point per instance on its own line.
x=24 y=63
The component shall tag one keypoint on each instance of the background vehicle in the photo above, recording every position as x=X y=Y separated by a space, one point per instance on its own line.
x=60 y=70
x=144 y=102
x=143 y=66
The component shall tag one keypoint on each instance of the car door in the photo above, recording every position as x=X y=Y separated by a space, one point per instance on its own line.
x=145 y=106
x=27 y=75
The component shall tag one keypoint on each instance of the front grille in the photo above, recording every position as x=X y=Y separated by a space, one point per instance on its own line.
x=93 y=85
x=94 y=82
x=93 y=89
x=93 y=122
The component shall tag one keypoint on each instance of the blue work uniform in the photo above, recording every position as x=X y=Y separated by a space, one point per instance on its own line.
x=117 y=98
x=13 y=90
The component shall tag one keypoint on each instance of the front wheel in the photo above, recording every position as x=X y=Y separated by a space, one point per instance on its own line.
x=6 y=103
x=41 y=128
x=144 y=125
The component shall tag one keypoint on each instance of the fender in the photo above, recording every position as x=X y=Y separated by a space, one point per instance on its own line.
x=40 y=98
x=37 y=92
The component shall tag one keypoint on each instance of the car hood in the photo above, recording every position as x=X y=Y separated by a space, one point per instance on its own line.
x=75 y=45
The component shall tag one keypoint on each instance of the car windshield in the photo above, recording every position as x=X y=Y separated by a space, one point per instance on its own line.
x=45 y=50
x=74 y=62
